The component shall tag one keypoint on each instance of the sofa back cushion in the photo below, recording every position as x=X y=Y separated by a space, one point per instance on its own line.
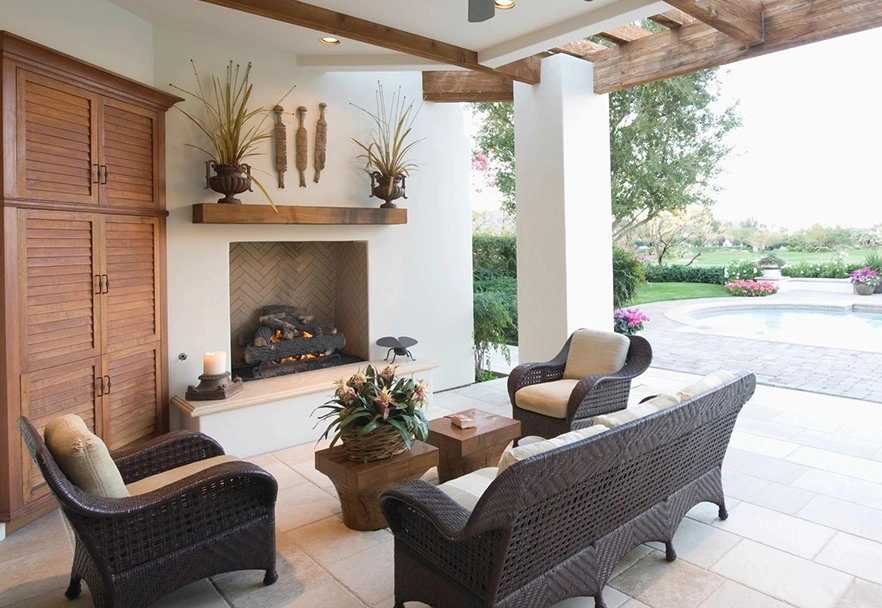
x=83 y=457
x=594 y=352
x=531 y=449
x=710 y=381
x=656 y=404
x=467 y=489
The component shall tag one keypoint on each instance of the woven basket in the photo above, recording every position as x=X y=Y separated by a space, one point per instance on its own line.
x=383 y=442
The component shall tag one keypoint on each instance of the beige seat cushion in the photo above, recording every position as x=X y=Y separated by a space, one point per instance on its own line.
x=710 y=381
x=154 y=482
x=546 y=398
x=594 y=352
x=526 y=451
x=656 y=404
x=83 y=457
x=466 y=490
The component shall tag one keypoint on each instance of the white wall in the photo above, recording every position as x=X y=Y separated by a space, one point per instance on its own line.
x=95 y=31
x=420 y=273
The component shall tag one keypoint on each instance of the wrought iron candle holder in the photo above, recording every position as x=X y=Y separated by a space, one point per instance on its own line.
x=214 y=386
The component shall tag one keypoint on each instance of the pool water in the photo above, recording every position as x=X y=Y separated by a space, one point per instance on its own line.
x=784 y=323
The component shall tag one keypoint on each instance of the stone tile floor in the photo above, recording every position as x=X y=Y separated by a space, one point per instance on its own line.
x=803 y=477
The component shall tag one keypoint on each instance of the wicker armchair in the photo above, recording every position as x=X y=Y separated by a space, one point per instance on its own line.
x=132 y=551
x=591 y=396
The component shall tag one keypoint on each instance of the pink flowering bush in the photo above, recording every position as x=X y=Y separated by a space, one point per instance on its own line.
x=865 y=276
x=628 y=321
x=373 y=398
x=751 y=289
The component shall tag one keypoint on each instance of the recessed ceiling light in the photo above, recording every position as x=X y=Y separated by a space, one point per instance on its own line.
x=504 y=5
x=329 y=40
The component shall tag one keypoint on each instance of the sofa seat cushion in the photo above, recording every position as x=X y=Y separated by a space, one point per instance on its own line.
x=594 y=352
x=467 y=490
x=532 y=449
x=710 y=381
x=546 y=398
x=83 y=457
x=154 y=482
x=656 y=404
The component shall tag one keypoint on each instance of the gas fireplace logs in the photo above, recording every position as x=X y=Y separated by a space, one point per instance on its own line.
x=290 y=331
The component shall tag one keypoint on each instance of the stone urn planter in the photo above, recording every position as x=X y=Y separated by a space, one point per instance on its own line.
x=387 y=188
x=864 y=290
x=228 y=180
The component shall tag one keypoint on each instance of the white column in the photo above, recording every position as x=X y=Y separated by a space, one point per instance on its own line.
x=564 y=207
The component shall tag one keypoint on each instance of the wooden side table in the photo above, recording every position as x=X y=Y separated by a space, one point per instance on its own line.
x=467 y=450
x=359 y=483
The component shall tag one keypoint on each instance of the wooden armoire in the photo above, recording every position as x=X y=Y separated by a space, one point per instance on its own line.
x=83 y=317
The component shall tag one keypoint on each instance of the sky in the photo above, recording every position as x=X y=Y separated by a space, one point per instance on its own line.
x=810 y=148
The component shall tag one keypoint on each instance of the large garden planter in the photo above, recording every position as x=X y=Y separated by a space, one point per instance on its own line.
x=864 y=290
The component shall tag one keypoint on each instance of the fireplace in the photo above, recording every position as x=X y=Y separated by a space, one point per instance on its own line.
x=297 y=306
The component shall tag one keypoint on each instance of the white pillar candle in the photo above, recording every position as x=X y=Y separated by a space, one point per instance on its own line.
x=214 y=364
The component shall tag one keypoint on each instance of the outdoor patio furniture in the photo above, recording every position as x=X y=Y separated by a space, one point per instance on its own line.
x=591 y=375
x=554 y=523
x=133 y=549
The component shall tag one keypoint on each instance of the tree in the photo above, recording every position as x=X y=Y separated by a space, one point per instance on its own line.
x=670 y=232
x=666 y=144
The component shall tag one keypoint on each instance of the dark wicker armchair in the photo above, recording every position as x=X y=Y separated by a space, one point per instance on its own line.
x=591 y=396
x=132 y=551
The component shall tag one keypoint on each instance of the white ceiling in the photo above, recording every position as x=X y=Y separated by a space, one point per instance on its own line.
x=532 y=26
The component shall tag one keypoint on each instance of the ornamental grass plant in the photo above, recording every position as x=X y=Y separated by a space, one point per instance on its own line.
x=375 y=398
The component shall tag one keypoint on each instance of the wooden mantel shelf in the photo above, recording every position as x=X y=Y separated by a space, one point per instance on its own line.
x=216 y=213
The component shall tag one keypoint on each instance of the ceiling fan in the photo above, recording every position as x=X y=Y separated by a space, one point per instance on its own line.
x=481 y=10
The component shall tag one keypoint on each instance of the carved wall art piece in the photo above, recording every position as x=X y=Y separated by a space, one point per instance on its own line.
x=281 y=140
x=302 y=146
x=321 y=142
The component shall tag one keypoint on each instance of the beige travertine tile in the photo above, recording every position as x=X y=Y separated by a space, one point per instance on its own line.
x=285 y=476
x=367 y=574
x=629 y=559
x=700 y=544
x=35 y=574
x=836 y=443
x=773 y=469
x=777 y=530
x=262 y=460
x=765 y=493
x=708 y=512
x=733 y=595
x=308 y=471
x=200 y=594
x=783 y=576
x=765 y=428
x=758 y=444
x=303 y=505
x=838 y=463
x=53 y=599
x=862 y=594
x=860 y=431
x=842 y=487
x=48 y=532
x=661 y=584
x=854 y=555
x=825 y=424
x=329 y=540
x=305 y=452
x=332 y=595
x=635 y=604
x=859 y=520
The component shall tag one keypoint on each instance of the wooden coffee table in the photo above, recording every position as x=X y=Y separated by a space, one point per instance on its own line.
x=467 y=450
x=359 y=483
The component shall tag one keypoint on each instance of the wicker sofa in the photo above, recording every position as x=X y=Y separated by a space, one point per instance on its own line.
x=552 y=526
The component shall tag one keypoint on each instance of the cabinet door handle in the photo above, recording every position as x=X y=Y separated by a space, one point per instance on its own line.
x=99 y=386
x=107 y=391
x=100 y=287
x=102 y=172
x=106 y=283
x=96 y=174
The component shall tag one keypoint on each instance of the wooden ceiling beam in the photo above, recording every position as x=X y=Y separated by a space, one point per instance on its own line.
x=740 y=19
x=696 y=46
x=353 y=28
x=583 y=49
x=624 y=34
x=454 y=87
x=672 y=19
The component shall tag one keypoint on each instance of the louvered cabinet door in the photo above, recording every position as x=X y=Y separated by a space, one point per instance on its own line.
x=57 y=136
x=128 y=156
x=47 y=394
x=59 y=278
x=131 y=291
x=131 y=396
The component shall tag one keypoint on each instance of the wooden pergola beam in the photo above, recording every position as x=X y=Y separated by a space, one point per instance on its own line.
x=672 y=19
x=624 y=34
x=353 y=28
x=455 y=87
x=696 y=46
x=583 y=49
x=740 y=19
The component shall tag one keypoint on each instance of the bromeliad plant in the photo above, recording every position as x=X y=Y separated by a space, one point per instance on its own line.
x=374 y=398
x=628 y=321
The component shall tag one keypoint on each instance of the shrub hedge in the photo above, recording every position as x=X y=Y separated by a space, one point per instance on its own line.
x=833 y=269
x=678 y=273
x=628 y=275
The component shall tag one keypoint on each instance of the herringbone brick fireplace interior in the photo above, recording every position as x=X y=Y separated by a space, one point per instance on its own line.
x=328 y=278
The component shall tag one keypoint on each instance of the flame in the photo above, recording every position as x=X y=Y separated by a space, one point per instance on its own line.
x=306 y=334
x=277 y=336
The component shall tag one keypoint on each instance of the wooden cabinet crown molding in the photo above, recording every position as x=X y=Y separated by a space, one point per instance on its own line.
x=84 y=74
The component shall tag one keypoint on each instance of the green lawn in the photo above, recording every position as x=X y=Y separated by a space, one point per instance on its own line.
x=722 y=257
x=662 y=292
